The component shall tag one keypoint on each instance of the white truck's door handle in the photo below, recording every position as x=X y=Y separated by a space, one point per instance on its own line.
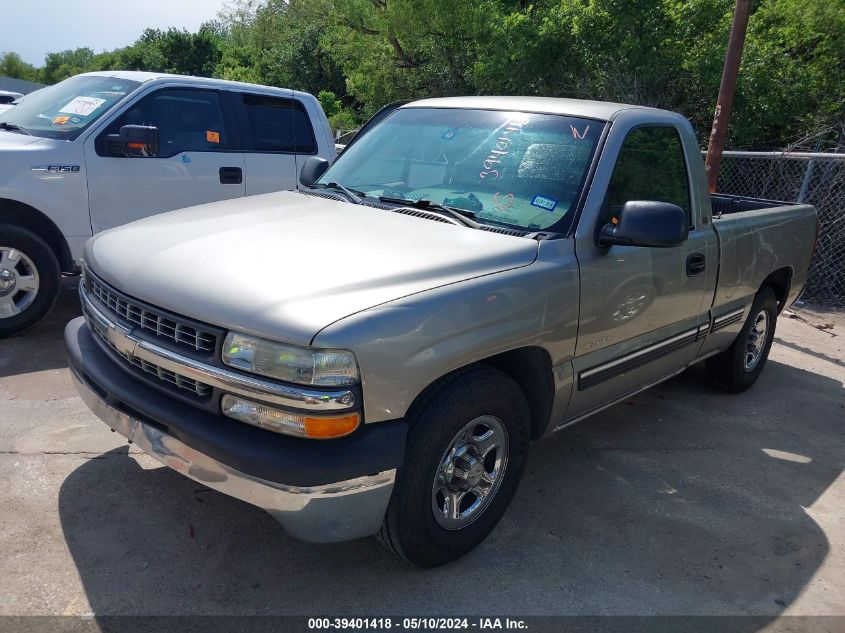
x=231 y=175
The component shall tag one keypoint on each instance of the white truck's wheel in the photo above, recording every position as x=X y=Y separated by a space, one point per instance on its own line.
x=29 y=279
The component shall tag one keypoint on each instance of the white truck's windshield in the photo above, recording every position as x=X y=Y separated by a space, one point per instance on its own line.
x=518 y=169
x=63 y=111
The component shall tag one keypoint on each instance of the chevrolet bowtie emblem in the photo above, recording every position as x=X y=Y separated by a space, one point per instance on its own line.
x=122 y=341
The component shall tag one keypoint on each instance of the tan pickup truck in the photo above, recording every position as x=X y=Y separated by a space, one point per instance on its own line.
x=373 y=353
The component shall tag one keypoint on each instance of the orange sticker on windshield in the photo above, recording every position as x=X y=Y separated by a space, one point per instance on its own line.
x=212 y=137
x=61 y=120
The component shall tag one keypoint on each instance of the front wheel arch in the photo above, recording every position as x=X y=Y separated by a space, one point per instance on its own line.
x=20 y=214
x=531 y=369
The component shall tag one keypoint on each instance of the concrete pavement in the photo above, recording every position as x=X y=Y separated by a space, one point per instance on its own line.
x=684 y=500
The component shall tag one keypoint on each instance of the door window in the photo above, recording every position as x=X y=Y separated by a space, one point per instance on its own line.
x=277 y=125
x=650 y=166
x=187 y=120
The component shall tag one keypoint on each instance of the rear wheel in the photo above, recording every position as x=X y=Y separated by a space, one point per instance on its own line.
x=738 y=367
x=466 y=451
x=29 y=279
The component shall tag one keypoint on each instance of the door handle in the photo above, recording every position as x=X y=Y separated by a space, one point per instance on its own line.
x=695 y=264
x=231 y=175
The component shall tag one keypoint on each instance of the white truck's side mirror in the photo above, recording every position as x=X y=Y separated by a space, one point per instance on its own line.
x=134 y=141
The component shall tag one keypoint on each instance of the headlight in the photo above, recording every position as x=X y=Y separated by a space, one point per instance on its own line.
x=291 y=363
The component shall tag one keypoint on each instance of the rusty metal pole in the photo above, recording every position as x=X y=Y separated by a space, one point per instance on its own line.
x=724 y=104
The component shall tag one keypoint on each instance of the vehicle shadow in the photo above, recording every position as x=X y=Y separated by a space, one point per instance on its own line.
x=42 y=346
x=810 y=352
x=682 y=501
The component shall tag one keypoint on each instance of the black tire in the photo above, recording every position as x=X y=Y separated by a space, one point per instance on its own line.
x=728 y=370
x=49 y=277
x=410 y=529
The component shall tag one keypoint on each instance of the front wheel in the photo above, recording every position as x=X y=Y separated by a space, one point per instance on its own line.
x=465 y=454
x=29 y=279
x=738 y=367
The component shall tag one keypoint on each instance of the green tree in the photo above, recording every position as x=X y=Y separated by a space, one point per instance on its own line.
x=279 y=43
x=11 y=65
x=366 y=53
x=64 y=64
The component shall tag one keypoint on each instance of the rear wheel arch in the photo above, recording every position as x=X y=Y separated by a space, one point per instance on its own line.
x=780 y=281
x=15 y=213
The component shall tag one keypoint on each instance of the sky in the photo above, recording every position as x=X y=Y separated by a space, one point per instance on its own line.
x=33 y=28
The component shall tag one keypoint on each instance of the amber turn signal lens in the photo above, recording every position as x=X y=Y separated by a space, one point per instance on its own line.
x=288 y=422
x=331 y=427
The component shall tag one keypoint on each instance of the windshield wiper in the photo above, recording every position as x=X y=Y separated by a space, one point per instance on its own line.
x=461 y=215
x=352 y=195
x=11 y=127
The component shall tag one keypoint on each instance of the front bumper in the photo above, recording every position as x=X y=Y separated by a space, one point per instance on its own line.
x=320 y=491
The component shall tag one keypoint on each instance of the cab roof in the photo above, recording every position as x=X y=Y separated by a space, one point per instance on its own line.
x=145 y=76
x=600 y=110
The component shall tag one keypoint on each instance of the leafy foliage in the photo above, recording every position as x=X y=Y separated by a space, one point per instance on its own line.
x=365 y=53
x=11 y=65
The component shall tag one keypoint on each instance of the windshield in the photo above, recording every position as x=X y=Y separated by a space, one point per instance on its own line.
x=63 y=111
x=517 y=169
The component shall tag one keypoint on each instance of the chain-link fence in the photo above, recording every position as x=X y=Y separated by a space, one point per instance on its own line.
x=813 y=178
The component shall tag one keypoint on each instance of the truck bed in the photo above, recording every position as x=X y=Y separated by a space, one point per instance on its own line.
x=724 y=204
x=757 y=237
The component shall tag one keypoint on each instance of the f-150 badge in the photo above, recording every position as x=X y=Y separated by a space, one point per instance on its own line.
x=55 y=169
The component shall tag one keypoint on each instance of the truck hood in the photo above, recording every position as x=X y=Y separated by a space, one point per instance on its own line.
x=13 y=140
x=285 y=265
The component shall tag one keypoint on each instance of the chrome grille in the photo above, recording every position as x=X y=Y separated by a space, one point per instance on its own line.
x=200 y=389
x=151 y=320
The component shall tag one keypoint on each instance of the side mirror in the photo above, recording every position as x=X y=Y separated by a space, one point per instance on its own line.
x=312 y=170
x=647 y=223
x=134 y=140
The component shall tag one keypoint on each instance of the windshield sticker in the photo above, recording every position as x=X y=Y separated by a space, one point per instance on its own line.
x=61 y=120
x=83 y=106
x=186 y=159
x=543 y=202
x=579 y=135
x=76 y=120
x=500 y=149
x=448 y=135
x=212 y=137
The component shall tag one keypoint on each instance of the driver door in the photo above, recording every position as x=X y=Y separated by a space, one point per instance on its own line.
x=198 y=159
x=640 y=306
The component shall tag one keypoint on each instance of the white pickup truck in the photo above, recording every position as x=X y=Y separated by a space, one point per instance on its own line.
x=102 y=149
